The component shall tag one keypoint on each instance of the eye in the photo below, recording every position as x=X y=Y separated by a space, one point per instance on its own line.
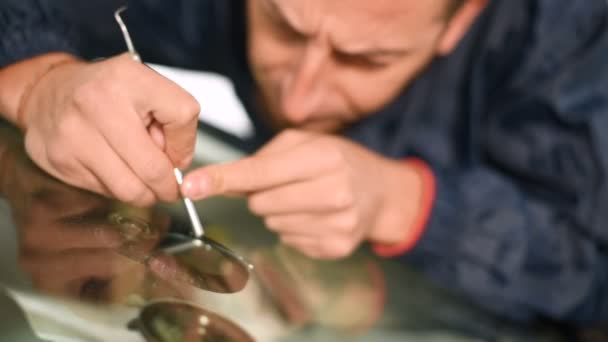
x=360 y=61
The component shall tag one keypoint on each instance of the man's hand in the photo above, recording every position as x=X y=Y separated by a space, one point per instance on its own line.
x=115 y=127
x=322 y=194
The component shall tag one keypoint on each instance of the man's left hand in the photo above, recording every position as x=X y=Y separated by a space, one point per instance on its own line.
x=322 y=194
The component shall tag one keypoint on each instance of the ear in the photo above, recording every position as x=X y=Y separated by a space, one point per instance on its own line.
x=459 y=25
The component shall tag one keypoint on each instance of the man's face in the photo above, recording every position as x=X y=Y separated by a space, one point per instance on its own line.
x=321 y=65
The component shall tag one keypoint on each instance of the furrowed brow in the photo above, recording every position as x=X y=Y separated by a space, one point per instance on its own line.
x=278 y=14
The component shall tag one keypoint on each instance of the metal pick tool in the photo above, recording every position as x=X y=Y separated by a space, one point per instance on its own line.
x=197 y=227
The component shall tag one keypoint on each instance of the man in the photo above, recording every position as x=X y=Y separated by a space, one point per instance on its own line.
x=465 y=137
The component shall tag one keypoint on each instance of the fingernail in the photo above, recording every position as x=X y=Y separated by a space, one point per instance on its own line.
x=196 y=189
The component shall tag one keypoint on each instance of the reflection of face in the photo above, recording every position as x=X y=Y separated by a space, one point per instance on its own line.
x=321 y=65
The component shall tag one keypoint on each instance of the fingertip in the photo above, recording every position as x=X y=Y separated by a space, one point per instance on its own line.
x=185 y=162
x=146 y=201
x=180 y=146
x=196 y=186
x=180 y=158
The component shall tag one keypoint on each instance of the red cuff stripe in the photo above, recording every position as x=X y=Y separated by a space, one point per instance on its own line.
x=426 y=207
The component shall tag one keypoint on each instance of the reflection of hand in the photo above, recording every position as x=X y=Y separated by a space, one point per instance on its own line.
x=81 y=257
x=67 y=244
x=99 y=126
x=322 y=194
x=347 y=295
x=36 y=198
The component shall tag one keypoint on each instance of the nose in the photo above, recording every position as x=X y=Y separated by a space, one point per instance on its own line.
x=304 y=85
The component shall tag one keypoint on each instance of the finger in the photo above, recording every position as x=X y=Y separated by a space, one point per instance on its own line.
x=330 y=247
x=176 y=111
x=60 y=236
x=52 y=192
x=74 y=175
x=61 y=201
x=297 y=224
x=129 y=139
x=98 y=169
x=158 y=136
x=340 y=224
x=285 y=140
x=112 y=171
x=53 y=272
x=324 y=195
x=168 y=268
x=252 y=174
x=304 y=244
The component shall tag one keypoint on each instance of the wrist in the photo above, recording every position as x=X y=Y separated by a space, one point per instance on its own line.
x=29 y=94
x=409 y=207
x=402 y=188
x=18 y=80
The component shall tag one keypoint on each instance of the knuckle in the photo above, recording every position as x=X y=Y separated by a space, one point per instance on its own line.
x=115 y=67
x=190 y=108
x=187 y=111
x=289 y=134
x=154 y=172
x=347 y=223
x=32 y=145
x=69 y=127
x=255 y=204
x=216 y=180
x=130 y=193
x=252 y=205
x=164 y=196
x=85 y=96
x=271 y=224
x=60 y=160
x=338 y=248
x=146 y=199
x=341 y=199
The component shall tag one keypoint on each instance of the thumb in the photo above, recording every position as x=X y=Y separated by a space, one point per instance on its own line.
x=179 y=141
x=174 y=109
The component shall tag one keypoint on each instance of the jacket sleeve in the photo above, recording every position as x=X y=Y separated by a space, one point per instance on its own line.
x=524 y=230
x=185 y=33
x=192 y=34
x=32 y=27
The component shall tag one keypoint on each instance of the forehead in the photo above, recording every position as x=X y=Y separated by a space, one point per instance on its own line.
x=361 y=20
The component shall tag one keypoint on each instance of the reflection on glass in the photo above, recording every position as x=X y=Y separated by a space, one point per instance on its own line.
x=201 y=262
x=131 y=228
x=348 y=295
x=174 y=321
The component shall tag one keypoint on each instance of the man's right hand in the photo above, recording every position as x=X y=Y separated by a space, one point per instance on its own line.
x=115 y=127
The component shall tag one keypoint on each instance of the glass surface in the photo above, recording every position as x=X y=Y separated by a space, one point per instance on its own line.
x=203 y=263
x=171 y=321
x=75 y=266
